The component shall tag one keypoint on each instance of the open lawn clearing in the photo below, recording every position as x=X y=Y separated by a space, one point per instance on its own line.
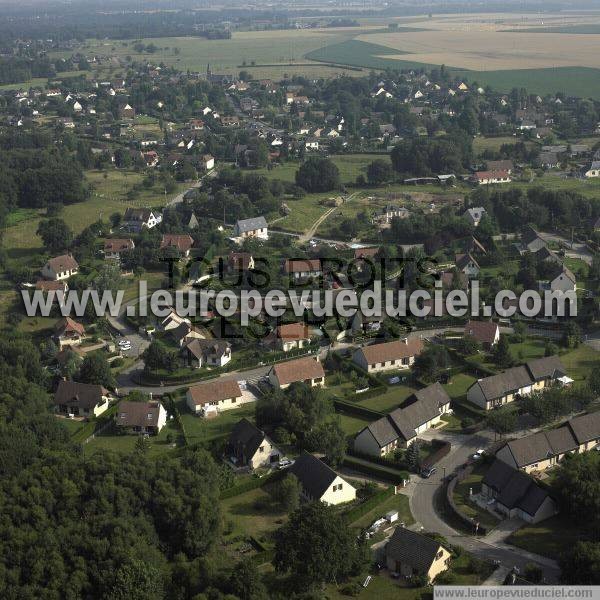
x=113 y=440
x=41 y=81
x=305 y=212
x=458 y=385
x=351 y=425
x=398 y=502
x=389 y=400
x=528 y=350
x=252 y=514
x=549 y=538
x=480 y=143
x=461 y=497
x=580 y=362
x=353 y=165
x=71 y=425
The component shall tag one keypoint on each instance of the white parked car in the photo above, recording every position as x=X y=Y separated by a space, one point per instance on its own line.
x=124 y=342
x=284 y=463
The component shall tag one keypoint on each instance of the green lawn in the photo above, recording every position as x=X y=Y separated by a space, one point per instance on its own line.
x=351 y=425
x=389 y=400
x=481 y=143
x=353 y=165
x=528 y=350
x=461 y=497
x=550 y=537
x=458 y=385
x=580 y=362
x=399 y=502
x=71 y=425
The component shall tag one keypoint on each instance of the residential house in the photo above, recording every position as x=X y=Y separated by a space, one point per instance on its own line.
x=466 y=264
x=80 y=399
x=548 y=160
x=127 y=112
x=400 y=428
x=412 y=554
x=531 y=241
x=184 y=333
x=173 y=320
x=240 y=261
x=114 y=247
x=399 y=354
x=366 y=324
x=291 y=336
x=303 y=269
x=592 y=170
x=230 y=121
x=141 y=417
x=182 y=243
x=207 y=353
x=544 y=449
x=563 y=280
x=60 y=267
x=474 y=215
x=256 y=227
x=320 y=482
x=207 y=162
x=512 y=384
x=248 y=446
x=516 y=495
x=137 y=219
x=302 y=370
x=209 y=399
x=487 y=333
x=491 y=177
x=151 y=158
x=500 y=165
x=68 y=332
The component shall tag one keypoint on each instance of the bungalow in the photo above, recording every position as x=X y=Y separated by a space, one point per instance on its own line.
x=137 y=219
x=513 y=383
x=466 y=264
x=321 y=483
x=114 y=247
x=516 y=495
x=141 y=417
x=292 y=335
x=399 y=354
x=182 y=243
x=474 y=215
x=544 y=449
x=491 y=177
x=210 y=353
x=68 y=332
x=60 y=267
x=248 y=446
x=302 y=370
x=486 y=333
x=409 y=554
x=399 y=428
x=209 y=399
x=256 y=227
x=303 y=268
x=80 y=399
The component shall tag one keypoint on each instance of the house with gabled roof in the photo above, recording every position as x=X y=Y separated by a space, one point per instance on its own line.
x=290 y=336
x=512 y=384
x=466 y=264
x=486 y=333
x=210 y=398
x=303 y=268
x=68 y=332
x=516 y=495
x=248 y=446
x=137 y=219
x=114 y=247
x=60 y=267
x=399 y=354
x=474 y=215
x=320 y=482
x=531 y=241
x=306 y=370
x=255 y=227
x=141 y=417
x=412 y=554
x=401 y=427
x=181 y=242
x=207 y=353
x=75 y=399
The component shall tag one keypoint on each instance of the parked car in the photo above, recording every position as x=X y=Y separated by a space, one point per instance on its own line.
x=427 y=473
x=284 y=463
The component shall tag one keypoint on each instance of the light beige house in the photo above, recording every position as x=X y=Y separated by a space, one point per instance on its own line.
x=68 y=332
x=512 y=384
x=213 y=397
x=114 y=247
x=409 y=554
x=256 y=227
x=291 y=336
x=399 y=428
x=388 y=356
x=302 y=370
x=320 y=482
x=141 y=417
x=74 y=399
x=60 y=267
x=248 y=446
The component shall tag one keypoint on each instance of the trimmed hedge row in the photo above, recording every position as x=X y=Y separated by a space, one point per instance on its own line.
x=355 y=409
x=368 y=505
x=395 y=477
x=251 y=484
x=380 y=460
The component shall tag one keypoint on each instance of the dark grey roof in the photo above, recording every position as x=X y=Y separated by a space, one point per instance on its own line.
x=412 y=548
x=561 y=440
x=245 y=225
x=547 y=367
x=434 y=392
x=314 y=475
x=515 y=489
x=246 y=438
x=585 y=427
x=81 y=395
x=384 y=431
x=530 y=449
x=499 y=385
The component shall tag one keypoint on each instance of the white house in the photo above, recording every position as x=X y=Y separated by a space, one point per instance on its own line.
x=302 y=370
x=137 y=219
x=60 y=267
x=474 y=215
x=141 y=417
x=209 y=399
x=256 y=227
x=250 y=447
x=593 y=170
x=399 y=354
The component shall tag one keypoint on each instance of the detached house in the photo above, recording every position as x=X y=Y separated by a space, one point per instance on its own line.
x=60 y=267
x=564 y=280
x=137 y=219
x=68 y=332
x=531 y=241
x=466 y=264
x=302 y=370
x=409 y=554
x=516 y=382
x=114 y=247
x=256 y=227
x=486 y=333
x=182 y=243
x=401 y=427
x=291 y=336
x=399 y=354
x=250 y=447
x=80 y=399
x=207 y=353
x=474 y=215
x=301 y=269
x=209 y=399
x=141 y=417
x=320 y=482
x=592 y=170
x=491 y=177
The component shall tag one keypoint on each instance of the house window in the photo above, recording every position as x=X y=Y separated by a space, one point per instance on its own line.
x=261 y=449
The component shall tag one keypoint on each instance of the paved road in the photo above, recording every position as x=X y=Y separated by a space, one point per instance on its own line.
x=427 y=495
x=574 y=250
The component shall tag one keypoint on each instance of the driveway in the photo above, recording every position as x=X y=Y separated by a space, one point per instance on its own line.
x=427 y=496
